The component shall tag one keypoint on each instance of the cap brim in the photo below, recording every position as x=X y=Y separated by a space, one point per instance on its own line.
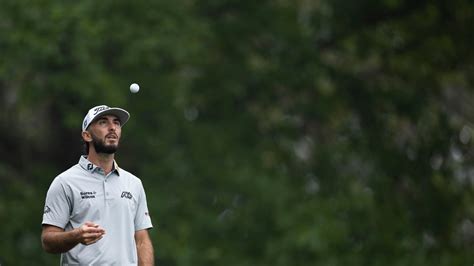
x=122 y=115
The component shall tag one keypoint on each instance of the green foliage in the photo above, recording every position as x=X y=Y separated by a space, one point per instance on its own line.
x=265 y=132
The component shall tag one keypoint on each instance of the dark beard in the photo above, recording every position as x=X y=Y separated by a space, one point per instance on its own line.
x=100 y=147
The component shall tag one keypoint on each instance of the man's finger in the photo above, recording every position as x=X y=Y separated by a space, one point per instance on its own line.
x=94 y=230
x=91 y=240
x=92 y=235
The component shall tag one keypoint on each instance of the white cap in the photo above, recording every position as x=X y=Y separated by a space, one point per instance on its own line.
x=100 y=110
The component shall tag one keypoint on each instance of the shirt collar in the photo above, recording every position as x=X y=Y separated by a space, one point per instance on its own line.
x=90 y=167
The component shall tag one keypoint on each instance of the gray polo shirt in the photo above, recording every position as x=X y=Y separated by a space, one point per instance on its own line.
x=117 y=202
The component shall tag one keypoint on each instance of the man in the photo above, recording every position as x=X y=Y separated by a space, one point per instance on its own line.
x=96 y=212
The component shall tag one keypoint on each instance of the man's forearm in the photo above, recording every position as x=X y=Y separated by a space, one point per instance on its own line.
x=145 y=252
x=59 y=242
x=56 y=240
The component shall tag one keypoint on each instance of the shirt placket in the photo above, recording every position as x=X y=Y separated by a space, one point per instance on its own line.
x=105 y=184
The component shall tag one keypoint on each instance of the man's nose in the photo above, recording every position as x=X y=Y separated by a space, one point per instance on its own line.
x=112 y=127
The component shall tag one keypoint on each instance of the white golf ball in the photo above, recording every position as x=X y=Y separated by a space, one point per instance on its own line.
x=134 y=88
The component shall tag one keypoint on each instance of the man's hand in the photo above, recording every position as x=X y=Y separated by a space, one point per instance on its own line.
x=89 y=233
x=56 y=240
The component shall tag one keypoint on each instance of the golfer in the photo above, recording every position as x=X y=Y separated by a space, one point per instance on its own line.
x=96 y=212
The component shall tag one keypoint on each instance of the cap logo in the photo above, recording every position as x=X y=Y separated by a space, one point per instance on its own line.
x=100 y=109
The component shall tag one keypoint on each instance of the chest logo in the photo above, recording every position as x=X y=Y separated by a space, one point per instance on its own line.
x=88 y=194
x=126 y=194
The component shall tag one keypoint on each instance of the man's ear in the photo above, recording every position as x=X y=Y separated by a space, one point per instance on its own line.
x=86 y=136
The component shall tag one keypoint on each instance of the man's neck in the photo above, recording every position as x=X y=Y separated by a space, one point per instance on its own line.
x=103 y=160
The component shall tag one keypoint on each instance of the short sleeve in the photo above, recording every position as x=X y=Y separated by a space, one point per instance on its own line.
x=57 y=206
x=142 y=217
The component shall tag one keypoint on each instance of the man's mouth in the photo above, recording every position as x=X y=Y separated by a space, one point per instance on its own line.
x=111 y=136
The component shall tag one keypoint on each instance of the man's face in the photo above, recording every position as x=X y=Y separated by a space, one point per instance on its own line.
x=105 y=133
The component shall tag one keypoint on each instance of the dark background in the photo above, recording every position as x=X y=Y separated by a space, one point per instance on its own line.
x=308 y=132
